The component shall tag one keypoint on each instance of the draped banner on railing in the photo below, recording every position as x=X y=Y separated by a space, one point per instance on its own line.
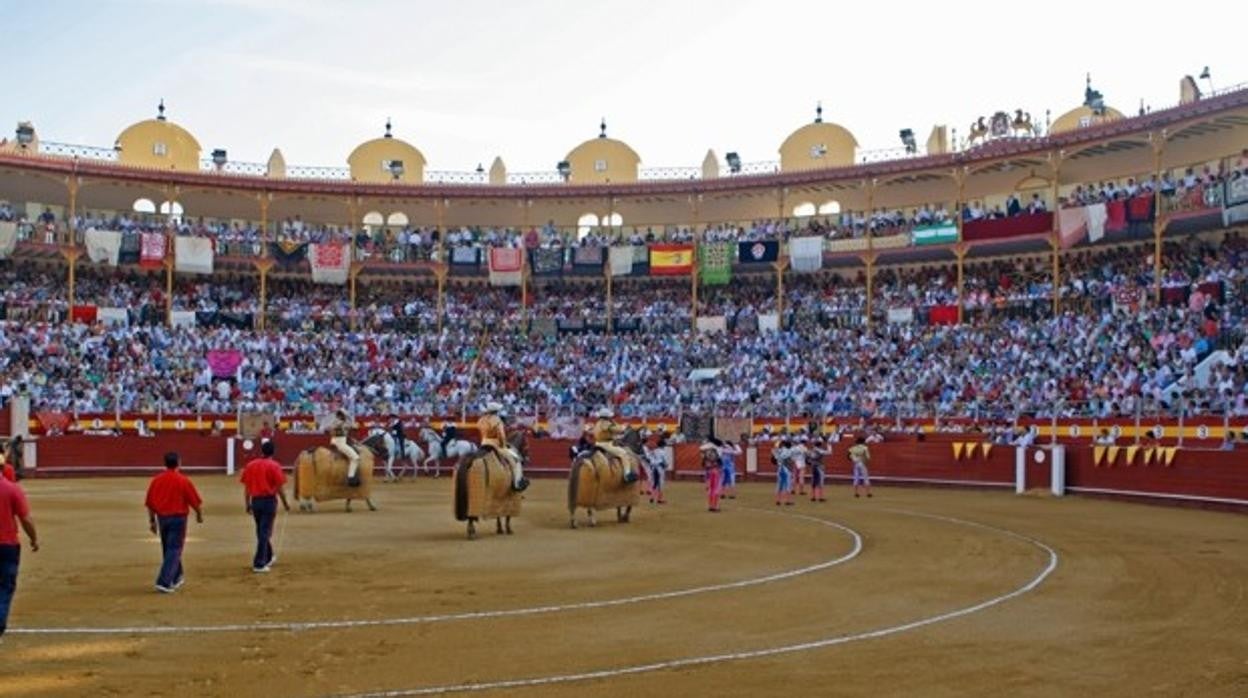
x=715 y=323
x=224 y=362
x=1235 y=201
x=806 y=253
x=506 y=264
x=758 y=251
x=621 y=260
x=671 y=260
x=891 y=242
x=938 y=234
x=183 y=318
x=102 y=245
x=331 y=263
x=715 y=263
x=8 y=238
x=113 y=317
x=152 y=250
x=465 y=256
x=589 y=259
x=847 y=245
x=943 y=315
x=546 y=261
x=193 y=254
x=288 y=251
x=1014 y=226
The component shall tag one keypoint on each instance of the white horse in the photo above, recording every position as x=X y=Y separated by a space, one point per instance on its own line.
x=411 y=451
x=455 y=448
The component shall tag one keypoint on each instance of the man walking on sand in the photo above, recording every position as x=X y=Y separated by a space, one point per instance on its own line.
x=13 y=510
x=263 y=483
x=170 y=497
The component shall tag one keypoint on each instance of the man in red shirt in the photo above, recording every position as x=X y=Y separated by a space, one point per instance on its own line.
x=170 y=496
x=13 y=508
x=263 y=482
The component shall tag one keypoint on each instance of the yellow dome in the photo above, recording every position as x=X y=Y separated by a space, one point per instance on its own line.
x=818 y=145
x=370 y=161
x=1083 y=116
x=603 y=159
x=159 y=143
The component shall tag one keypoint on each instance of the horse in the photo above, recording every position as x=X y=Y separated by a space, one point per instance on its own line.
x=483 y=487
x=596 y=481
x=383 y=444
x=455 y=448
x=321 y=474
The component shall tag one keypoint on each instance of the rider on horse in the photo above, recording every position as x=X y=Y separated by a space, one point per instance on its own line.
x=395 y=427
x=605 y=432
x=494 y=436
x=339 y=430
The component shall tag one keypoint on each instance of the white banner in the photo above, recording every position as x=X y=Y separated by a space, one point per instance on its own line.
x=806 y=253
x=103 y=245
x=1096 y=222
x=113 y=317
x=331 y=263
x=768 y=322
x=193 y=255
x=900 y=316
x=183 y=318
x=621 y=258
x=715 y=323
x=8 y=238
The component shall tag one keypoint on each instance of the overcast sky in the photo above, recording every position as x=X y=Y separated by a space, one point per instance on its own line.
x=466 y=80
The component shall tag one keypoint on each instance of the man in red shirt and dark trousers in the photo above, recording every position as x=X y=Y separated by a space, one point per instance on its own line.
x=13 y=509
x=263 y=482
x=170 y=496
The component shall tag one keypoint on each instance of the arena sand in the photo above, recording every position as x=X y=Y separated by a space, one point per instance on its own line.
x=1144 y=600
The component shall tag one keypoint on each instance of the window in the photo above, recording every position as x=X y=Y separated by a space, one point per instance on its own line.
x=374 y=218
x=818 y=150
x=830 y=208
x=1085 y=121
x=804 y=210
x=585 y=224
x=159 y=149
x=173 y=210
x=600 y=165
x=398 y=218
x=614 y=220
x=144 y=206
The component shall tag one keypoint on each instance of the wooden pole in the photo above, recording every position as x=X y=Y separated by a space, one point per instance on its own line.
x=869 y=259
x=959 y=251
x=1160 y=220
x=610 y=308
x=72 y=227
x=71 y=255
x=264 y=230
x=440 y=272
x=693 y=273
x=1055 y=240
x=781 y=264
x=263 y=266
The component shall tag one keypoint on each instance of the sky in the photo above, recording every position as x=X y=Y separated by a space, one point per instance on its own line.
x=467 y=80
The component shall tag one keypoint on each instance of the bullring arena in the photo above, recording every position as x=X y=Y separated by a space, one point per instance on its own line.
x=1030 y=335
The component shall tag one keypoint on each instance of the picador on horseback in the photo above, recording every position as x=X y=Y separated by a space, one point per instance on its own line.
x=339 y=432
x=605 y=431
x=494 y=437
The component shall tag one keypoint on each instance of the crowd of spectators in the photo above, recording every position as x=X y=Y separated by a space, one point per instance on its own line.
x=1111 y=352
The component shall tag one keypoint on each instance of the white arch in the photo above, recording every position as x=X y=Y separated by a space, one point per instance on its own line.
x=144 y=206
x=615 y=220
x=374 y=218
x=585 y=224
x=804 y=210
x=830 y=208
x=398 y=218
x=172 y=209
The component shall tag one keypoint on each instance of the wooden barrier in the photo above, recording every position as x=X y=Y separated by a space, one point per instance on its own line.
x=1217 y=477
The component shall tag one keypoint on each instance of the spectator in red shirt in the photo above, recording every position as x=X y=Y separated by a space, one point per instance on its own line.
x=13 y=509
x=170 y=497
x=263 y=482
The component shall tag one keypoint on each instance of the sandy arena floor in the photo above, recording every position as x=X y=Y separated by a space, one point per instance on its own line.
x=912 y=593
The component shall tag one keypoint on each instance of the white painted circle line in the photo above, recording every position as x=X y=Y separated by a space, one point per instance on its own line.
x=752 y=654
x=855 y=550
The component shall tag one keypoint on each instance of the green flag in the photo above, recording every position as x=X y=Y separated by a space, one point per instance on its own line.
x=715 y=263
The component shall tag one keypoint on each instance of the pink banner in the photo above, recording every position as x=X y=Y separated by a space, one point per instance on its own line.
x=152 y=250
x=224 y=362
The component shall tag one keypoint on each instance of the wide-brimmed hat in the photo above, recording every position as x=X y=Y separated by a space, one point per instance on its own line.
x=606 y=413
x=493 y=407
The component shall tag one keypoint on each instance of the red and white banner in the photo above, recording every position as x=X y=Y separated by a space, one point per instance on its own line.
x=506 y=266
x=331 y=262
x=152 y=250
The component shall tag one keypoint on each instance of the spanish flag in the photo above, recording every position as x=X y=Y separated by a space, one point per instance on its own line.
x=671 y=260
